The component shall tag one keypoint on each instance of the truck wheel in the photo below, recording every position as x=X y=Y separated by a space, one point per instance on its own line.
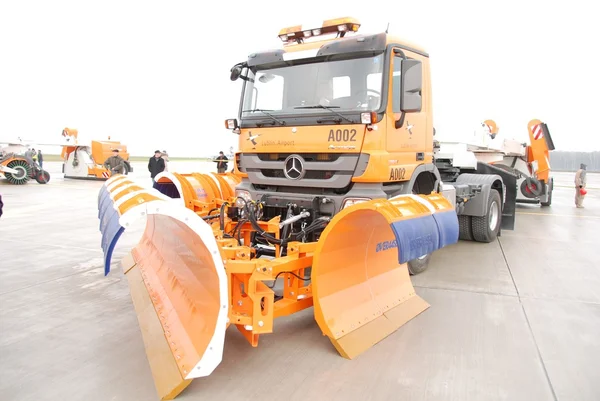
x=465 y=231
x=42 y=177
x=485 y=228
x=531 y=188
x=419 y=264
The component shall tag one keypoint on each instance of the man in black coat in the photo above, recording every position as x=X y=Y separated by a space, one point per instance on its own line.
x=221 y=162
x=156 y=164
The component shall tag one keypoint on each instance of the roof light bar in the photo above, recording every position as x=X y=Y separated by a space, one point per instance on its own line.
x=337 y=25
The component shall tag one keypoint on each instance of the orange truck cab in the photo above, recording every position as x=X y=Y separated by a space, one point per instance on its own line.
x=335 y=117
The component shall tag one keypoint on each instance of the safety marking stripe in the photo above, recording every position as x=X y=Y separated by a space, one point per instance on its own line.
x=559 y=215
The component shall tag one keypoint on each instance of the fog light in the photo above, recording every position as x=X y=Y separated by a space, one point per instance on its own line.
x=245 y=195
x=353 y=201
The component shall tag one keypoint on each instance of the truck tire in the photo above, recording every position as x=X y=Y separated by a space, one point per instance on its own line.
x=42 y=177
x=419 y=264
x=531 y=188
x=486 y=227
x=465 y=230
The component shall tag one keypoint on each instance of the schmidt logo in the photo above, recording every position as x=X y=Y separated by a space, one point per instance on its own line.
x=385 y=245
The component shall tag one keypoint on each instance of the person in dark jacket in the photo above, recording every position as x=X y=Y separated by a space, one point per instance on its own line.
x=156 y=164
x=115 y=164
x=221 y=162
x=40 y=159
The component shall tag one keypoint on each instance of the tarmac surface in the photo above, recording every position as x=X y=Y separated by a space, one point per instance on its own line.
x=516 y=319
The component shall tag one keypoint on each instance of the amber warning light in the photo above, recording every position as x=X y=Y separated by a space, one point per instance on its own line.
x=338 y=25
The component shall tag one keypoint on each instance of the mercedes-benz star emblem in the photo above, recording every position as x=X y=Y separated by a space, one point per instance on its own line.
x=293 y=167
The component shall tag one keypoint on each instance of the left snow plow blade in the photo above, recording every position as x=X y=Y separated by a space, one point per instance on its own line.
x=177 y=282
x=185 y=299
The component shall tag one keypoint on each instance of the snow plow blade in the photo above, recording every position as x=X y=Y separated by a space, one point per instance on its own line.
x=360 y=281
x=176 y=278
x=184 y=298
x=198 y=192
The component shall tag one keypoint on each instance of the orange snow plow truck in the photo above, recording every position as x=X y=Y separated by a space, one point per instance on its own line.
x=334 y=199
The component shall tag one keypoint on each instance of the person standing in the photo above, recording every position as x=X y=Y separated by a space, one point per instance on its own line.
x=40 y=159
x=156 y=164
x=165 y=157
x=580 y=182
x=221 y=162
x=115 y=164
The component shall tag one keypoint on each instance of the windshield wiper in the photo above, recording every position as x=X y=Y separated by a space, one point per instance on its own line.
x=265 y=112
x=330 y=108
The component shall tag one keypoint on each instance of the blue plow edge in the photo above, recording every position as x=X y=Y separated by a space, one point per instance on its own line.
x=423 y=235
x=110 y=228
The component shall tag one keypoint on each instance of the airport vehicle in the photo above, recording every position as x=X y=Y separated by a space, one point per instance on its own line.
x=17 y=168
x=338 y=194
x=529 y=163
x=85 y=161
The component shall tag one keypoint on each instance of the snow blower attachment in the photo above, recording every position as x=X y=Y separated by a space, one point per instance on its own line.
x=199 y=267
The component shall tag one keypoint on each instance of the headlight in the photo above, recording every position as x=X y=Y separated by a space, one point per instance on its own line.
x=245 y=195
x=353 y=201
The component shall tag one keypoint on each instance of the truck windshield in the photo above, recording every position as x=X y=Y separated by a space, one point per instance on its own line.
x=302 y=88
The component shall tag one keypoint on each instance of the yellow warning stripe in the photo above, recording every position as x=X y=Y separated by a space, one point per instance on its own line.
x=560 y=215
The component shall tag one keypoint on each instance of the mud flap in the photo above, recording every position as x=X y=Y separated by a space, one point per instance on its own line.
x=177 y=282
x=361 y=285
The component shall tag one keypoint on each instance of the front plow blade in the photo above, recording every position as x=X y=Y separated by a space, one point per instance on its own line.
x=177 y=282
x=196 y=191
x=361 y=285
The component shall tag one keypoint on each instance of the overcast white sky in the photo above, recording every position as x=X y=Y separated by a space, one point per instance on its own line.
x=155 y=74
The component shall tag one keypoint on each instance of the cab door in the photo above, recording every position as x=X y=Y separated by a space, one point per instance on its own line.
x=407 y=138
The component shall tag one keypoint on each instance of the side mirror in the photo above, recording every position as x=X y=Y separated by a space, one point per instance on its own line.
x=412 y=79
x=236 y=71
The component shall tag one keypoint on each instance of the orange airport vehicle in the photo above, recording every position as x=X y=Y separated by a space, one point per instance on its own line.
x=337 y=195
x=532 y=165
x=529 y=163
x=85 y=161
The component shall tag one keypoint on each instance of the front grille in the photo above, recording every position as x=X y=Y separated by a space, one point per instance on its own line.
x=311 y=174
x=309 y=157
x=321 y=170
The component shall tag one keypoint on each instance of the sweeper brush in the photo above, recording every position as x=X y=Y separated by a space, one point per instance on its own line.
x=208 y=260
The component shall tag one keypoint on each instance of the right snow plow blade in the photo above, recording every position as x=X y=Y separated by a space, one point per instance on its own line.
x=361 y=284
x=193 y=273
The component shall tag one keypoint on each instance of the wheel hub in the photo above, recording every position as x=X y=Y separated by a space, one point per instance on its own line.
x=494 y=213
x=21 y=172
